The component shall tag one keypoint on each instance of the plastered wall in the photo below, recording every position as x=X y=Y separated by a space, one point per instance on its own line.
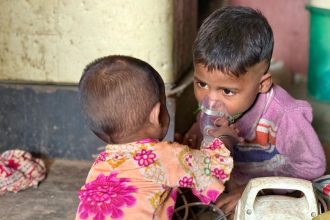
x=51 y=41
x=289 y=21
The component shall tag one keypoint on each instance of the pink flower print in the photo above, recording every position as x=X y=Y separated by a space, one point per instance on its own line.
x=326 y=189
x=213 y=194
x=199 y=194
x=101 y=157
x=105 y=196
x=215 y=144
x=186 y=182
x=5 y=171
x=145 y=157
x=170 y=212
x=170 y=209
x=147 y=141
x=219 y=174
x=219 y=157
x=188 y=159
x=13 y=164
x=174 y=194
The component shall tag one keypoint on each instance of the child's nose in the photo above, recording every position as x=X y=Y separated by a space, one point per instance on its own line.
x=214 y=95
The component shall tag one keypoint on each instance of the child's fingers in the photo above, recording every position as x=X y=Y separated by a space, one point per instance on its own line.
x=178 y=138
x=222 y=121
x=228 y=201
x=233 y=126
x=190 y=140
x=225 y=203
x=240 y=139
x=223 y=130
x=232 y=133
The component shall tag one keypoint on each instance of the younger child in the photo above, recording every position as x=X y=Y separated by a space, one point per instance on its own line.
x=124 y=101
x=232 y=55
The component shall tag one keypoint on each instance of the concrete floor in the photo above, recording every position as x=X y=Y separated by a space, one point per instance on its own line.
x=54 y=199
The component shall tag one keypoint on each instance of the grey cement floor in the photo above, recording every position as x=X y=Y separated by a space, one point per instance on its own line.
x=54 y=199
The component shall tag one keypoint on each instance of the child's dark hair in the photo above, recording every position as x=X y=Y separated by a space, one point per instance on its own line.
x=117 y=94
x=233 y=39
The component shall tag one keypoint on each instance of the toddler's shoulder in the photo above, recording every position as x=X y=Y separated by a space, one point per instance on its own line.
x=288 y=106
x=288 y=103
x=170 y=145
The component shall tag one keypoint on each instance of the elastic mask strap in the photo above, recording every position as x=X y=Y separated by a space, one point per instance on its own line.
x=232 y=119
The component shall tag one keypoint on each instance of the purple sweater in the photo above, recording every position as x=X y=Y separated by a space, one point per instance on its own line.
x=279 y=140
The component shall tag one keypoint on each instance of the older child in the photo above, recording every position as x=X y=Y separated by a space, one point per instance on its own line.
x=124 y=101
x=232 y=55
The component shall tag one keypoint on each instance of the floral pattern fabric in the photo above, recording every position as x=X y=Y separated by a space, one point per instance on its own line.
x=19 y=170
x=106 y=196
x=139 y=180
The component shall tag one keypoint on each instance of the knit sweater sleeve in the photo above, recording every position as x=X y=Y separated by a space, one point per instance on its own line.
x=299 y=143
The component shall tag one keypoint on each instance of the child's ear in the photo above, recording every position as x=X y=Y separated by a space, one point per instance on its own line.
x=154 y=114
x=265 y=83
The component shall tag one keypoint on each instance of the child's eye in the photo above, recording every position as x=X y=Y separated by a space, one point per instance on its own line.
x=228 y=92
x=202 y=84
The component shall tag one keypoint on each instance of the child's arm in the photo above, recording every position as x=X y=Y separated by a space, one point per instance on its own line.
x=228 y=201
x=193 y=137
x=205 y=170
x=227 y=133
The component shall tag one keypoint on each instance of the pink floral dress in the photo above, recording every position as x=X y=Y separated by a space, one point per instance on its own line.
x=138 y=180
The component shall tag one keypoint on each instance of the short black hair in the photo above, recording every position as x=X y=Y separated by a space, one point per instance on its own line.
x=117 y=94
x=232 y=39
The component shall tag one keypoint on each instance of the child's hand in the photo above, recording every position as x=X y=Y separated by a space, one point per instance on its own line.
x=228 y=201
x=192 y=138
x=228 y=131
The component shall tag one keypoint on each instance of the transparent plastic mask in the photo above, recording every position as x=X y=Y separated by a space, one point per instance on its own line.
x=211 y=111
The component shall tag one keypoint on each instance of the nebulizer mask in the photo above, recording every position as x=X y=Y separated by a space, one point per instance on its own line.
x=211 y=111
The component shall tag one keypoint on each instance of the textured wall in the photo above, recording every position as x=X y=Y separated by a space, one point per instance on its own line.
x=51 y=41
x=289 y=20
x=47 y=120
